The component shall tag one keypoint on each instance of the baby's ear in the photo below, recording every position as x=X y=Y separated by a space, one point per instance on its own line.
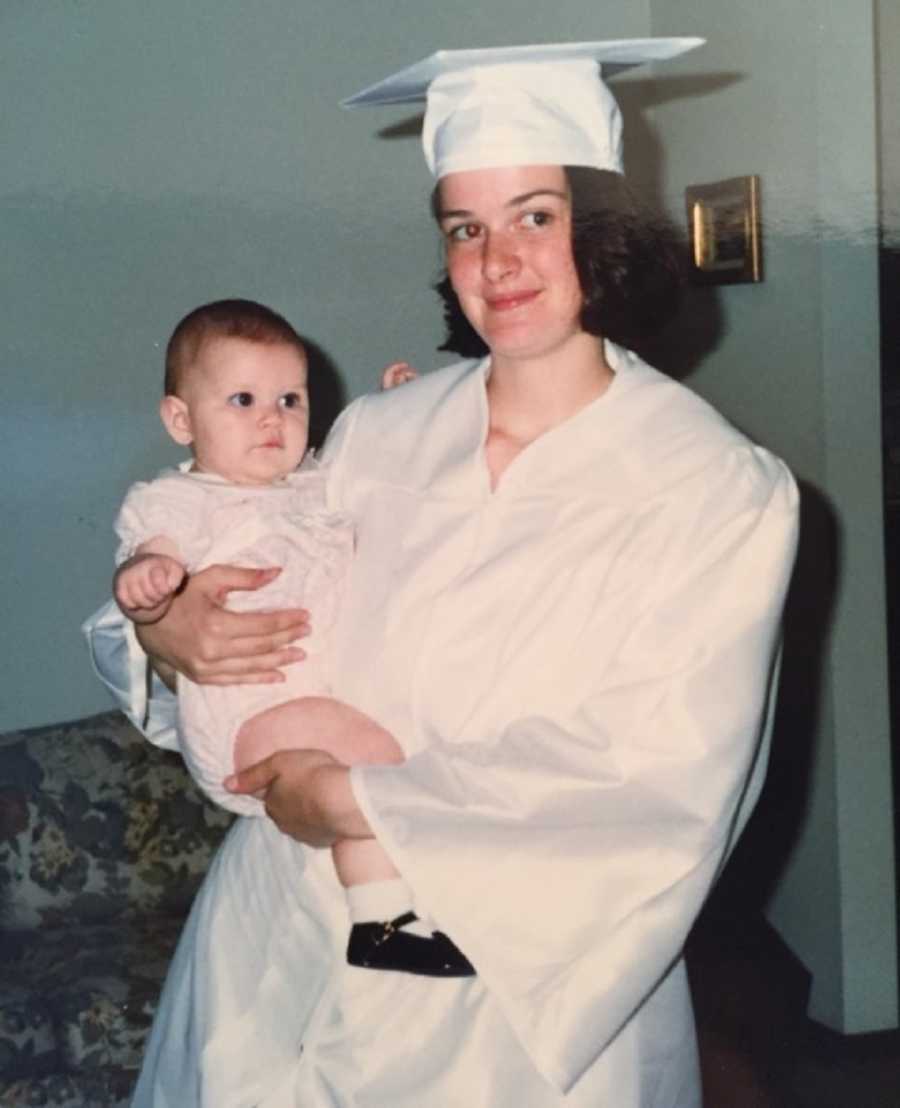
x=177 y=419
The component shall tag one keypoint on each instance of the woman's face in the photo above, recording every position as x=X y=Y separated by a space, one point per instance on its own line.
x=508 y=235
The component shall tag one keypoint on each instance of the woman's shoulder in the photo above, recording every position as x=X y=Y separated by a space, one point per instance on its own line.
x=408 y=435
x=419 y=398
x=661 y=404
x=400 y=420
x=670 y=434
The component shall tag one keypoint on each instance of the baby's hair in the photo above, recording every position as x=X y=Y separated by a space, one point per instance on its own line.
x=223 y=319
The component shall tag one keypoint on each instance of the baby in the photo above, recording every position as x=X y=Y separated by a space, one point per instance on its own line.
x=236 y=394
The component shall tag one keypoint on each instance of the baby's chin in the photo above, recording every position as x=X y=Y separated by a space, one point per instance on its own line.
x=268 y=479
x=268 y=475
x=251 y=478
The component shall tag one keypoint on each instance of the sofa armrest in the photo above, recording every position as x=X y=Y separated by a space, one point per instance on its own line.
x=97 y=824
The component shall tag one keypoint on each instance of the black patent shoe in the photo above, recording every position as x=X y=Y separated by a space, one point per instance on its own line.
x=386 y=946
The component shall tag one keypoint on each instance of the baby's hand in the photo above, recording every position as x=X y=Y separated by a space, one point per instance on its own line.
x=397 y=373
x=145 y=584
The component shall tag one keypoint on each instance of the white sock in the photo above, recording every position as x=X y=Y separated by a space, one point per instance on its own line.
x=380 y=901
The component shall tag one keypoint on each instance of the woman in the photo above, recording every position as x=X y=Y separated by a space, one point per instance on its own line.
x=565 y=608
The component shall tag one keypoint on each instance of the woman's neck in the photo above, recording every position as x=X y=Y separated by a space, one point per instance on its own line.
x=527 y=397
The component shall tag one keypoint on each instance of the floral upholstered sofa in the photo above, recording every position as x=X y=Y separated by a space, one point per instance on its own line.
x=103 y=842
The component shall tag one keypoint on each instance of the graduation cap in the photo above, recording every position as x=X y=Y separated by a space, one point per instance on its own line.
x=521 y=105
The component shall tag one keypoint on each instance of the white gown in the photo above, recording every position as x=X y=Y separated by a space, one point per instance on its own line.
x=579 y=668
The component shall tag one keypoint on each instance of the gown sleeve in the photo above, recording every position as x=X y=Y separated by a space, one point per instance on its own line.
x=121 y=664
x=569 y=854
x=173 y=506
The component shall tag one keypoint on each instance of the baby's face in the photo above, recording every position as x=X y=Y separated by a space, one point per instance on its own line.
x=248 y=407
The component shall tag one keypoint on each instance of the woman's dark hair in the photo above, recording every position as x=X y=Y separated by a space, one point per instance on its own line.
x=630 y=265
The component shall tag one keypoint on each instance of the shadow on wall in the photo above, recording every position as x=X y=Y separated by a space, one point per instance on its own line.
x=683 y=344
x=680 y=347
x=327 y=395
x=761 y=855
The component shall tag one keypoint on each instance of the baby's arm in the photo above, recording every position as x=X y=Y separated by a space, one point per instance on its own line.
x=397 y=373
x=145 y=584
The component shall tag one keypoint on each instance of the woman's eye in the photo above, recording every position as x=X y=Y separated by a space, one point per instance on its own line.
x=241 y=400
x=290 y=400
x=536 y=219
x=463 y=232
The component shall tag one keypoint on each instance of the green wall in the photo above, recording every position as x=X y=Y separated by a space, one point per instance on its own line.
x=788 y=91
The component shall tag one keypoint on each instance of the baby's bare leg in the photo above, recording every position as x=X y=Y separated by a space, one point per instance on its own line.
x=294 y=726
x=298 y=725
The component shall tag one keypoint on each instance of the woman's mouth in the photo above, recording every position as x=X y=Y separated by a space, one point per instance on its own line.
x=511 y=300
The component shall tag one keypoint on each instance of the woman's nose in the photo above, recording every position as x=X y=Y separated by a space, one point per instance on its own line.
x=500 y=258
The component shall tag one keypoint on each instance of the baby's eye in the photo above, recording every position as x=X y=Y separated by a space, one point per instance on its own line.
x=463 y=232
x=241 y=400
x=537 y=219
x=290 y=400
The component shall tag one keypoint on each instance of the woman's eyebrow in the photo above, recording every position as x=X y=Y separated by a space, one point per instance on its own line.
x=526 y=196
x=454 y=213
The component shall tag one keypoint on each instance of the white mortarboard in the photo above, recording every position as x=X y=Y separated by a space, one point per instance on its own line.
x=521 y=105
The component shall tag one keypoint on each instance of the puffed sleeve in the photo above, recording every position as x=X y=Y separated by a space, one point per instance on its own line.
x=171 y=506
x=569 y=854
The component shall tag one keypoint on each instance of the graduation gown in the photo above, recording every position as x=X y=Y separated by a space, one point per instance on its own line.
x=579 y=666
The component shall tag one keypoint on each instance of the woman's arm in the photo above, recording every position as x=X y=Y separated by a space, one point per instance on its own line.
x=197 y=637
x=201 y=639
x=307 y=795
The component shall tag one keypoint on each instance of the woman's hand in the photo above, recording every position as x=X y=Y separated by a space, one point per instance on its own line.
x=201 y=639
x=307 y=794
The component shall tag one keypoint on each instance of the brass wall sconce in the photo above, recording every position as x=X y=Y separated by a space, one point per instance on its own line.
x=724 y=230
